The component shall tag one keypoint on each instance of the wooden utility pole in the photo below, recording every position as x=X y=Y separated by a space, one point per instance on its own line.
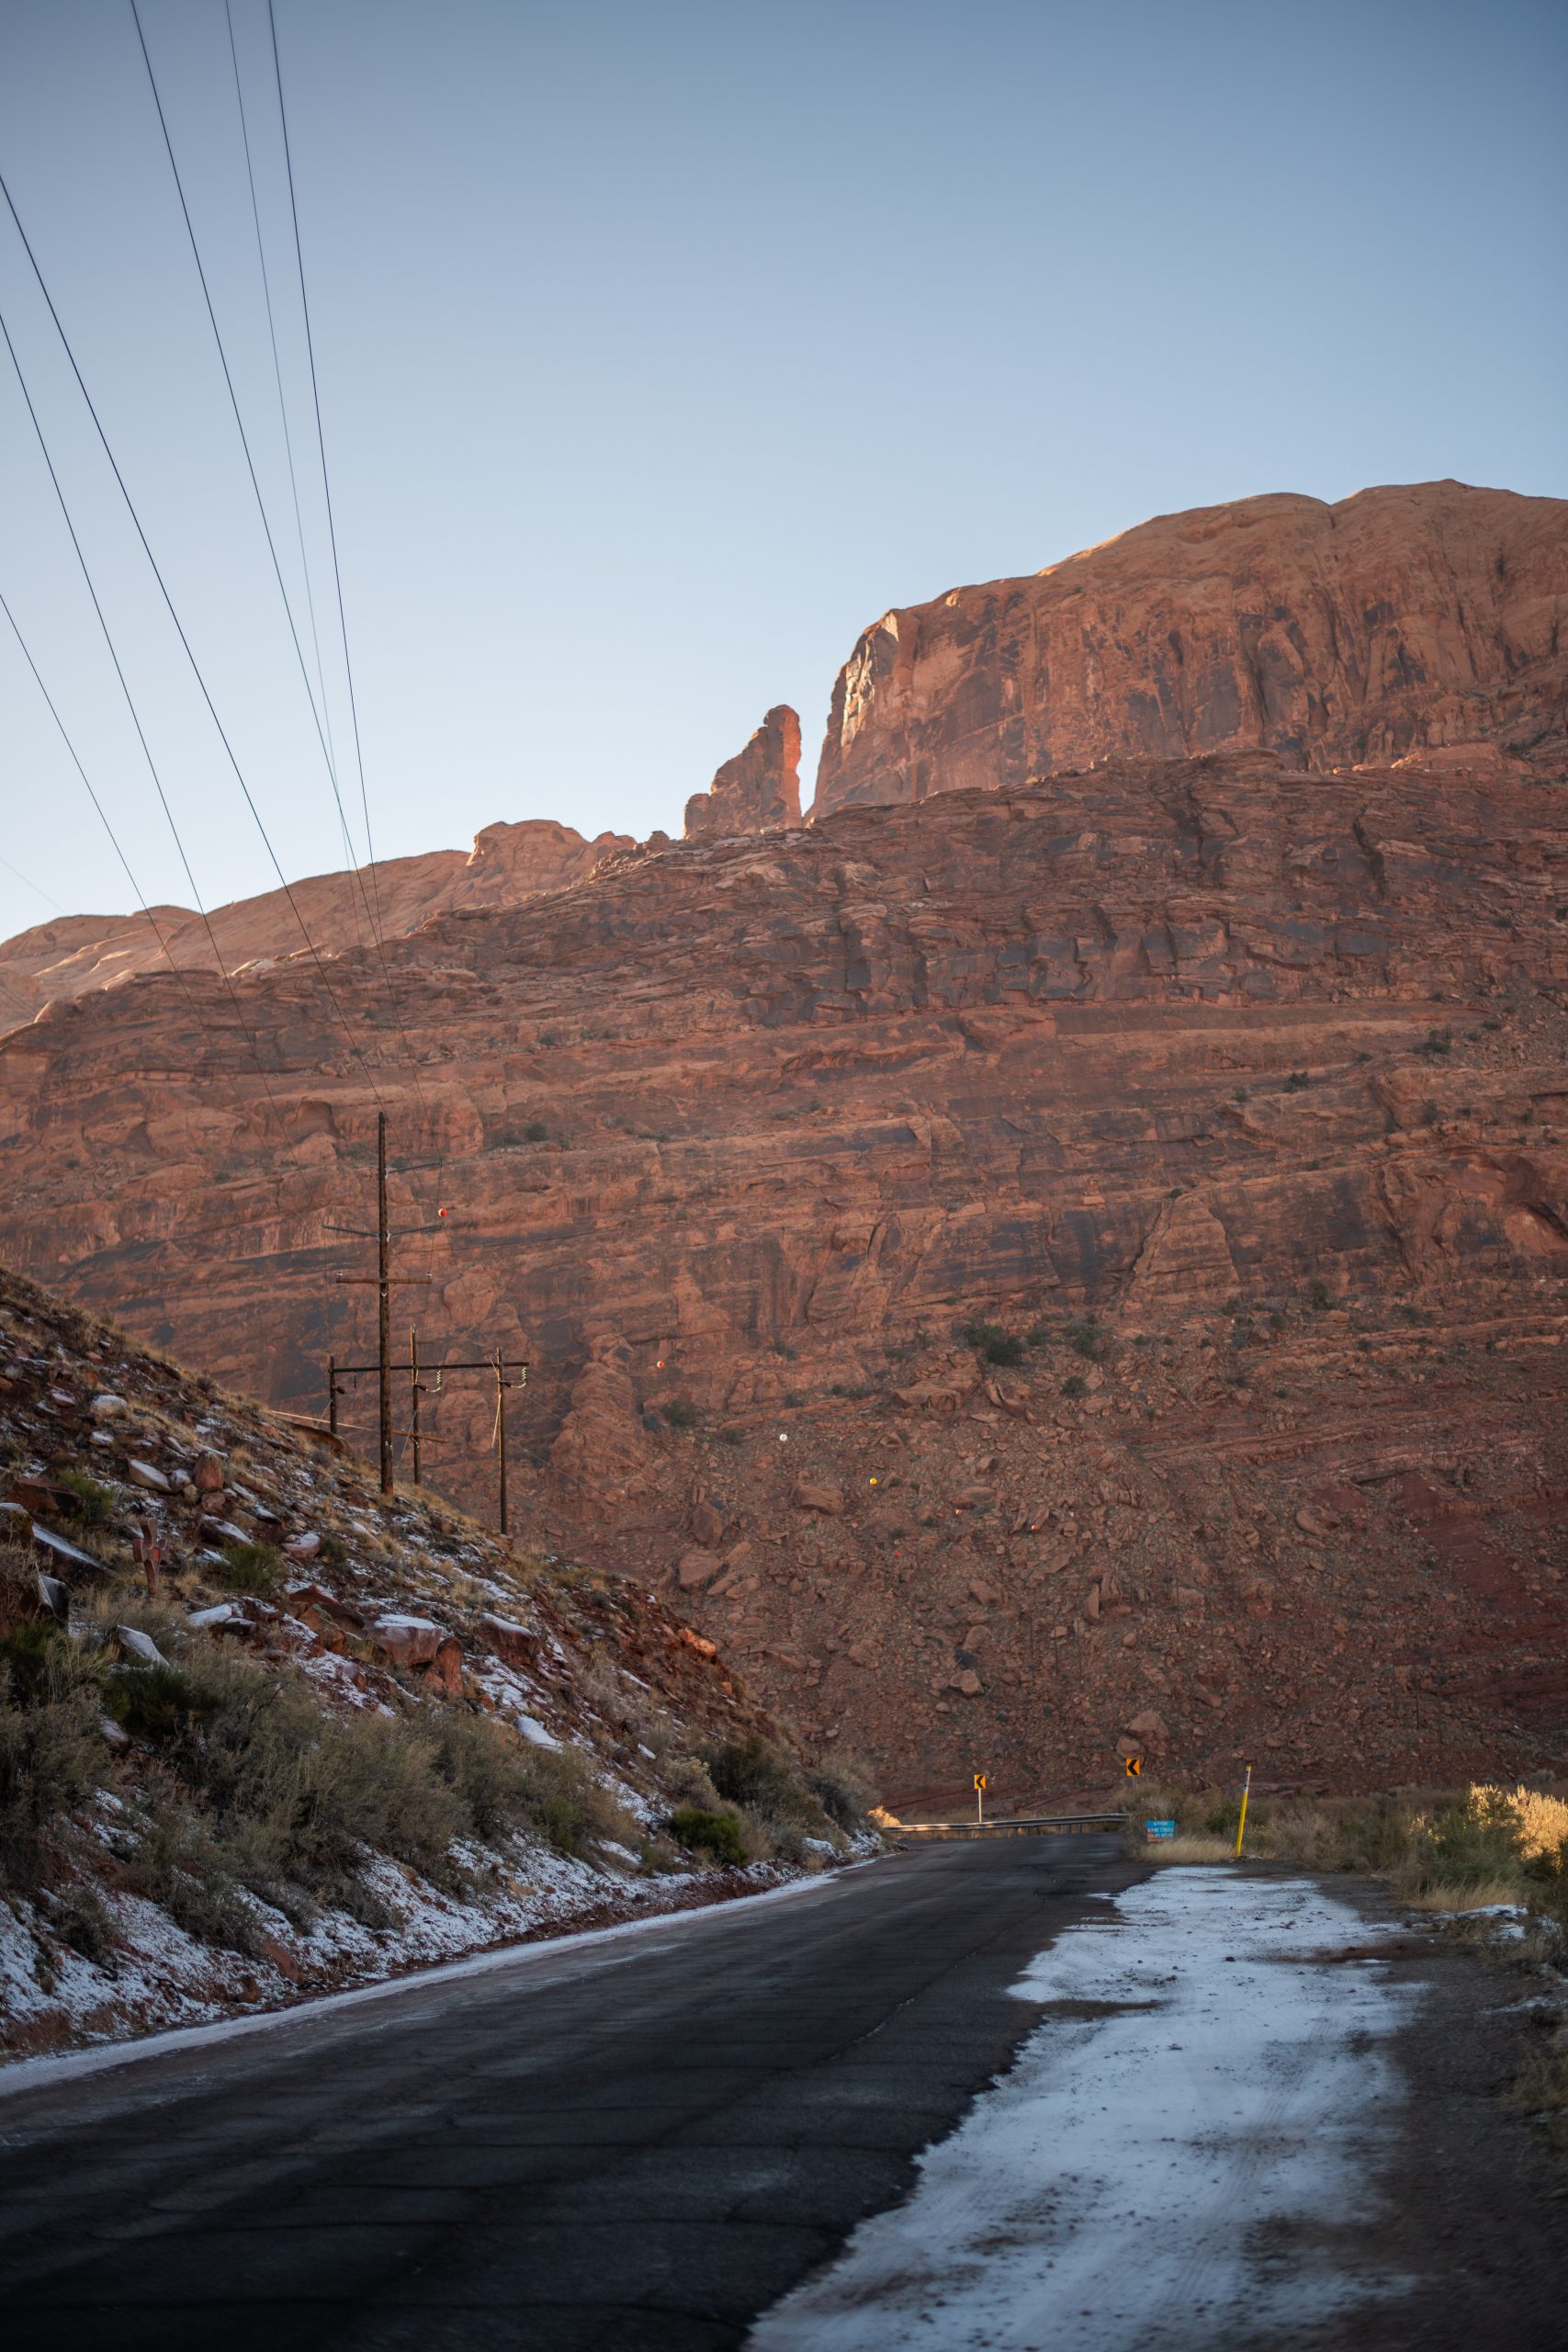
x=383 y=1303
x=500 y=1429
x=384 y=1280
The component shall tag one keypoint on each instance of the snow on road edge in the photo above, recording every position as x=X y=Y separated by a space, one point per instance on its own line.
x=34 y=2074
x=1168 y=2173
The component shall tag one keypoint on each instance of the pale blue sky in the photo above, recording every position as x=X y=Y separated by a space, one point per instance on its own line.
x=661 y=347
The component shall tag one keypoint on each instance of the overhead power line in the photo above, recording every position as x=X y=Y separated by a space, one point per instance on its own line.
x=378 y=922
x=194 y=1009
x=378 y=928
x=372 y=901
x=240 y=425
x=326 y=480
x=283 y=413
x=186 y=643
x=114 y=657
x=32 y=885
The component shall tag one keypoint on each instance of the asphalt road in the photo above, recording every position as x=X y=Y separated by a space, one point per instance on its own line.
x=632 y=2145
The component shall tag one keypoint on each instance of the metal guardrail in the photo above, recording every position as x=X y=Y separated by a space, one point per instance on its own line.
x=1043 y=1824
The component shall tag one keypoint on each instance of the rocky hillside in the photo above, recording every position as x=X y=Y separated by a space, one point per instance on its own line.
x=1034 y=1273
x=1400 y=620
x=262 y=1732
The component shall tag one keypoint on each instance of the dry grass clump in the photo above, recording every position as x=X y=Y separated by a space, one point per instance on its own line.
x=1477 y=1894
x=1468 y=1849
x=1190 y=1847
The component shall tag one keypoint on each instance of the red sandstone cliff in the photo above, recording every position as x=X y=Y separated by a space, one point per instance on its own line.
x=1398 y=619
x=759 y=788
x=75 y=953
x=1233 y=1096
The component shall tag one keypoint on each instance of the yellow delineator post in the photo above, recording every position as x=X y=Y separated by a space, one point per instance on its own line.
x=1241 y=1824
x=980 y=1798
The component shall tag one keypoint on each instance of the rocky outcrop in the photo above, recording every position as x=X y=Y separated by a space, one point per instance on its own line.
x=601 y=1457
x=1397 y=621
x=1074 y=1183
x=756 y=790
x=62 y=959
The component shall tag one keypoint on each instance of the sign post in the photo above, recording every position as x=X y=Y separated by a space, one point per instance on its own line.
x=1241 y=1824
x=980 y=1798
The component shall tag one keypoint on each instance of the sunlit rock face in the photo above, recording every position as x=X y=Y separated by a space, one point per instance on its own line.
x=1400 y=620
x=759 y=788
x=76 y=954
x=1016 y=1266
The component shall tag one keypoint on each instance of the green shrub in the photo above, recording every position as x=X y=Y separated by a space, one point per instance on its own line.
x=177 y=1865
x=507 y=1783
x=333 y=1552
x=80 y=1918
x=718 y=1834
x=1074 y=1384
x=249 y=1567
x=153 y=1702
x=750 y=1772
x=566 y=1803
x=681 y=1414
x=535 y=1132
x=302 y=1791
x=1473 y=1842
x=844 y=1791
x=1084 y=1337
x=94 y=1502
x=26 y=1658
x=997 y=1345
x=1297 y=1080
x=51 y=1756
x=1319 y=1296
x=484 y=1768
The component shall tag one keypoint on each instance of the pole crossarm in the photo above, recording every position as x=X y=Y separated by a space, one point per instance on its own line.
x=394 y=1232
x=480 y=1363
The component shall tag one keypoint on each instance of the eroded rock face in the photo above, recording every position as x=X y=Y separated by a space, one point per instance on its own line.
x=1398 y=621
x=1139 y=1200
x=60 y=960
x=601 y=1457
x=759 y=788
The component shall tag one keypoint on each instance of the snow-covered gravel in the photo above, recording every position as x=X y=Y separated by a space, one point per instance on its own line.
x=1164 y=2176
